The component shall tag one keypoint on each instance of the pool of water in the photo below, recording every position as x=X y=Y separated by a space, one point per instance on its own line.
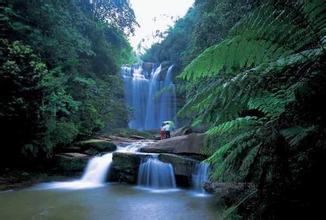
x=112 y=201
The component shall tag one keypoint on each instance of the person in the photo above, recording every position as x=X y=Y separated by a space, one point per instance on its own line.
x=167 y=129
x=162 y=132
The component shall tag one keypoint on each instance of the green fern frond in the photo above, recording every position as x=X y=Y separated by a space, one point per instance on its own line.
x=231 y=126
x=273 y=105
x=295 y=135
x=224 y=156
x=267 y=35
x=249 y=159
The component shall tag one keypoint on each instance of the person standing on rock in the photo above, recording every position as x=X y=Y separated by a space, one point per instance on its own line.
x=167 y=129
x=162 y=132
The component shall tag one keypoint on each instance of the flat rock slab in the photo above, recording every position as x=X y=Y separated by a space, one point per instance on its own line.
x=185 y=144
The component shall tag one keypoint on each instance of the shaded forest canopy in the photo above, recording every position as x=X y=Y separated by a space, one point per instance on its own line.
x=59 y=64
x=253 y=72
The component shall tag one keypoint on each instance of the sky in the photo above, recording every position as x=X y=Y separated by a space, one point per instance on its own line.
x=153 y=15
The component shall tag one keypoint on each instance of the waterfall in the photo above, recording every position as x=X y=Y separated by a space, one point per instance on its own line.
x=136 y=94
x=200 y=176
x=94 y=175
x=150 y=93
x=168 y=98
x=96 y=171
x=153 y=173
x=152 y=110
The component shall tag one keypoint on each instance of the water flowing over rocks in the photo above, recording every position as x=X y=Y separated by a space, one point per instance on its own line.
x=200 y=176
x=155 y=174
x=125 y=166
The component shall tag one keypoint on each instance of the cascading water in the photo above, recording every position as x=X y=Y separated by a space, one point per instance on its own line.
x=136 y=94
x=200 y=176
x=155 y=174
x=94 y=175
x=168 y=98
x=152 y=110
x=96 y=171
x=150 y=93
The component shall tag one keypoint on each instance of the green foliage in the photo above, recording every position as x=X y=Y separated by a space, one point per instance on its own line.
x=258 y=92
x=231 y=126
x=59 y=67
x=266 y=35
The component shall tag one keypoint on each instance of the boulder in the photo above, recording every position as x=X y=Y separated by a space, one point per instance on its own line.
x=71 y=162
x=185 y=144
x=97 y=146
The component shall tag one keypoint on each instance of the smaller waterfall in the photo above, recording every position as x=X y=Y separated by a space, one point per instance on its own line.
x=96 y=171
x=153 y=173
x=94 y=175
x=200 y=176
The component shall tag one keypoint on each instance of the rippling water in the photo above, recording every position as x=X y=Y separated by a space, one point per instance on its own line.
x=112 y=201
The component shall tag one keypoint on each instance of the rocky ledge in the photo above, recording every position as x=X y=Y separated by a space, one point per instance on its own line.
x=190 y=145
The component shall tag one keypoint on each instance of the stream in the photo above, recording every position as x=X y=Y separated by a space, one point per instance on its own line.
x=90 y=197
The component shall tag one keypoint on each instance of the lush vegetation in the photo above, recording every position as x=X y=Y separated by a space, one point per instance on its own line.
x=252 y=73
x=258 y=86
x=59 y=72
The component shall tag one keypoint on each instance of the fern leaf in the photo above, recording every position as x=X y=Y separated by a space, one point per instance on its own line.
x=295 y=135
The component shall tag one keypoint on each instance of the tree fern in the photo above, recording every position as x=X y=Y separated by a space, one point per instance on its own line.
x=233 y=125
x=241 y=74
x=264 y=36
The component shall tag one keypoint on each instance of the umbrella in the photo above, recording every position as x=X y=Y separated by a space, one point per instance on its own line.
x=171 y=123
